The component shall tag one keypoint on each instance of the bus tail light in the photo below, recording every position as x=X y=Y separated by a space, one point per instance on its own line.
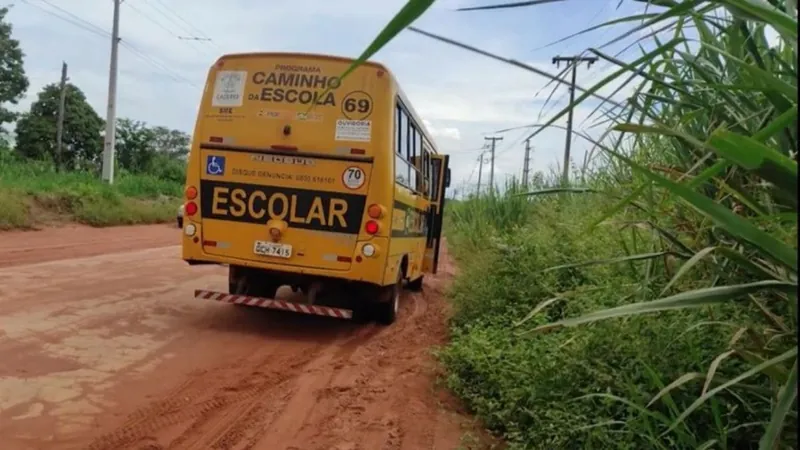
x=191 y=192
x=191 y=208
x=372 y=227
x=358 y=151
x=375 y=211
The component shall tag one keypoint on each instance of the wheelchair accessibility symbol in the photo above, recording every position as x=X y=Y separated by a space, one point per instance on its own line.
x=215 y=165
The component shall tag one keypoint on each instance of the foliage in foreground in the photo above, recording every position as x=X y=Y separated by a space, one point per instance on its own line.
x=674 y=306
x=594 y=386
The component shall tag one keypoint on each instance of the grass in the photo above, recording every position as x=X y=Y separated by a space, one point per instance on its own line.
x=589 y=387
x=658 y=309
x=33 y=194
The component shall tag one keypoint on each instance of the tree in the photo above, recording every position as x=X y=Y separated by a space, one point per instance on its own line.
x=13 y=82
x=174 y=143
x=82 y=139
x=135 y=147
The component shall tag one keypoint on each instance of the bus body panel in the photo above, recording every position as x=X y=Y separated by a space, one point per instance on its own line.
x=262 y=155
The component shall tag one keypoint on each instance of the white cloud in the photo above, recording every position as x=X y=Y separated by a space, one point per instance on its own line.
x=460 y=95
x=446 y=132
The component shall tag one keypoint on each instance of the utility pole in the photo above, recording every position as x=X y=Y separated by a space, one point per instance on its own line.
x=480 y=172
x=62 y=102
x=491 y=170
x=526 y=164
x=574 y=60
x=109 y=141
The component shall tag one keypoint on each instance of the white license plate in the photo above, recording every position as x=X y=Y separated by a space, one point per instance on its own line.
x=264 y=248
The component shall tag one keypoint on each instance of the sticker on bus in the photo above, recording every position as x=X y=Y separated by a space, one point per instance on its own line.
x=229 y=88
x=353 y=177
x=215 y=165
x=353 y=130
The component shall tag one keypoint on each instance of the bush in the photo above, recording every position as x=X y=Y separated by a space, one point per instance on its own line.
x=584 y=387
x=30 y=187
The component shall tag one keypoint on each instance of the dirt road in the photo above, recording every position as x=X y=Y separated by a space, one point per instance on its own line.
x=103 y=347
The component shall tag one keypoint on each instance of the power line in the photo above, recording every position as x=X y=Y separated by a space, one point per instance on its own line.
x=191 y=30
x=149 y=18
x=78 y=23
x=156 y=64
x=94 y=29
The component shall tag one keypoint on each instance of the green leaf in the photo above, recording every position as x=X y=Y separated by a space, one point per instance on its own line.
x=712 y=369
x=405 y=17
x=723 y=217
x=680 y=381
x=785 y=403
x=780 y=123
x=640 y=257
x=690 y=299
x=765 y=12
x=756 y=157
x=707 y=445
x=697 y=257
x=753 y=371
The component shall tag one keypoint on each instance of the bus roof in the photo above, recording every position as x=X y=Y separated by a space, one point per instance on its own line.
x=377 y=65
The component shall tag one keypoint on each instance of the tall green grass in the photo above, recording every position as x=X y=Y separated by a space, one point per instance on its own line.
x=33 y=193
x=658 y=310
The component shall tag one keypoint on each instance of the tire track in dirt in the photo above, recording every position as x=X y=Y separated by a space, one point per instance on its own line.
x=141 y=365
x=74 y=241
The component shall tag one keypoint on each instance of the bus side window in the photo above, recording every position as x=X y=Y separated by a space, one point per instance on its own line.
x=397 y=128
x=412 y=174
x=435 y=179
x=402 y=170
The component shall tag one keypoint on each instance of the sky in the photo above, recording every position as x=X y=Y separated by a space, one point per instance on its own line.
x=168 y=45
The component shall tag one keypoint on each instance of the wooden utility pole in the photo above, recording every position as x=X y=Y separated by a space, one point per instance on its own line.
x=574 y=61
x=491 y=170
x=62 y=103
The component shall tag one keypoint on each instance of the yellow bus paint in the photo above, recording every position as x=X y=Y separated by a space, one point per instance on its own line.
x=274 y=160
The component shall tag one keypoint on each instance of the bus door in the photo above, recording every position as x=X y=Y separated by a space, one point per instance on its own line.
x=440 y=180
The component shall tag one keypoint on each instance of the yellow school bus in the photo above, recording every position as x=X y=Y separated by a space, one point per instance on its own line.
x=297 y=178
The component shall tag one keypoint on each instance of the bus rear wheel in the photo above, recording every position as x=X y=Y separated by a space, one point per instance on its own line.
x=389 y=304
x=415 y=285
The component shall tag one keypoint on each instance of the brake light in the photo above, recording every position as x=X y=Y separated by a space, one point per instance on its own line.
x=191 y=208
x=191 y=192
x=358 y=151
x=375 y=211
x=371 y=227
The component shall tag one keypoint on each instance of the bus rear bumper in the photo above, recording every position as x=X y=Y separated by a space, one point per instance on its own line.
x=261 y=302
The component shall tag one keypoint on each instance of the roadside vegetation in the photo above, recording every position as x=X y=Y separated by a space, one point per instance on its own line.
x=650 y=301
x=40 y=185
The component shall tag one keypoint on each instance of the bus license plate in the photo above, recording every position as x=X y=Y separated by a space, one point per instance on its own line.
x=264 y=248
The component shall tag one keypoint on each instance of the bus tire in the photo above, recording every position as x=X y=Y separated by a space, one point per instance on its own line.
x=362 y=313
x=386 y=309
x=416 y=285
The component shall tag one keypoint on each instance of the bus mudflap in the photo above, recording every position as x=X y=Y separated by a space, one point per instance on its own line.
x=261 y=302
